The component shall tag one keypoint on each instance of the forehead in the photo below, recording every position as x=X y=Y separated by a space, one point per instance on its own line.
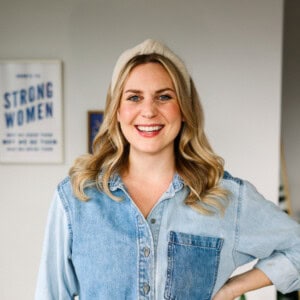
x=149 y=73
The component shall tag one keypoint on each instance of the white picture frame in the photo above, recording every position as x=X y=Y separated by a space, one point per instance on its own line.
x=31 y=111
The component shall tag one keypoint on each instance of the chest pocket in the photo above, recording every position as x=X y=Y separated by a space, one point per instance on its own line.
x=192 y=266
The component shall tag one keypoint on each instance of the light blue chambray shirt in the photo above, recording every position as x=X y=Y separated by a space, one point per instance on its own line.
x=103 y=249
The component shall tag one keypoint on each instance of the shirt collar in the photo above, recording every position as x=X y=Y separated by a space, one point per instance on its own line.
x=116 y=182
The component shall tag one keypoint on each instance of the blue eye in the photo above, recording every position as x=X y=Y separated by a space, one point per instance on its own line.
x=165 y=97
x=133 y=98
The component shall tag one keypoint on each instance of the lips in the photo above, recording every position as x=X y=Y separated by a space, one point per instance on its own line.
x=149 y=128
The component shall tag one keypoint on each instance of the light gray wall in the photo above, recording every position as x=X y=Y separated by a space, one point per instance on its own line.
x=291 y=101
x=232 y=48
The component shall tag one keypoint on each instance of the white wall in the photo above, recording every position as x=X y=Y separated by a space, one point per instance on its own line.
x=232 y=48
x=290 y=101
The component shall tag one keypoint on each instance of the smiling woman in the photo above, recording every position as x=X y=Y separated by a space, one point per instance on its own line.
x=151 y=213
x=149 y=113
x=192 y=149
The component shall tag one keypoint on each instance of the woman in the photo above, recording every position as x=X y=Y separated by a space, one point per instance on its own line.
x=152 y=214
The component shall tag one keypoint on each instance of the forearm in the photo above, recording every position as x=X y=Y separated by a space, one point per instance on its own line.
x=242 y=283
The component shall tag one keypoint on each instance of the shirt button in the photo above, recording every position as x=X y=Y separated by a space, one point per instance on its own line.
x=146 y=288
x=146 y=251
x=153 y=221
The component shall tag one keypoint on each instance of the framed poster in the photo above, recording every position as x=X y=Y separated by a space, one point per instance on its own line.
x=31 y=112
x=95 y=118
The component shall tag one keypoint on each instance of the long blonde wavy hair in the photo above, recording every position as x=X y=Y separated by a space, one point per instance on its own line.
x=199 y=167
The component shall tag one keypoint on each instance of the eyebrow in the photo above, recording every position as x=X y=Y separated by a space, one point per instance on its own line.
x=133 y=91
x=165 y=90
x=157 y=92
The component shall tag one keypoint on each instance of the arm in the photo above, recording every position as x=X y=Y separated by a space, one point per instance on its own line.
x=267 y=233
x=56 y=278
x=240 y=284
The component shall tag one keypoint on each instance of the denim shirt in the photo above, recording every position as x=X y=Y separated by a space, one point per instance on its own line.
x=104 y=249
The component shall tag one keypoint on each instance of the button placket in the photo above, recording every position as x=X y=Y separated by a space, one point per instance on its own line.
x=154 y=221
x=146 y=261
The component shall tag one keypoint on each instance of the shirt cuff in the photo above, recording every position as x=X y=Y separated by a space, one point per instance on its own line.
x=281 y=272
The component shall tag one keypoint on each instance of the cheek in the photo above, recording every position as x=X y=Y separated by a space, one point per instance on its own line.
x=124 y=114
x=173 y=112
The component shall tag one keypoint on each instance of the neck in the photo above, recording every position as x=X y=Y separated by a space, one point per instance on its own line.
x=153 y=167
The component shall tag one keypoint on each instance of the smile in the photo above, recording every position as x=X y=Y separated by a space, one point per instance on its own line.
x=149 y=128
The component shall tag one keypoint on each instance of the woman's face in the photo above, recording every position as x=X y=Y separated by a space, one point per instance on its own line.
x=149 y=114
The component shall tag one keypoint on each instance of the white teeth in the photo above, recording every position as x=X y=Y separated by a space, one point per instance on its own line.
x=149 y=128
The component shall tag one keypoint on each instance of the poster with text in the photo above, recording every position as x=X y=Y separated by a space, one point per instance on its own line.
x=31 y=112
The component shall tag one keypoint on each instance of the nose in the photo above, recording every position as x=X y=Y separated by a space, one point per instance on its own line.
x=149 y=109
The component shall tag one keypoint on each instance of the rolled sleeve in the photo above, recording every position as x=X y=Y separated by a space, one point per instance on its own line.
x=281 y=272
x=270 y=235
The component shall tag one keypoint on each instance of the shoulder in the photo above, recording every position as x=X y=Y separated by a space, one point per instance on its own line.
x=228 y=178
x=69 y=199
x=245 y=194
x=64 y=188
x=64 y=194
x=64 y=184
x=234 y=185
x=241 y=190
